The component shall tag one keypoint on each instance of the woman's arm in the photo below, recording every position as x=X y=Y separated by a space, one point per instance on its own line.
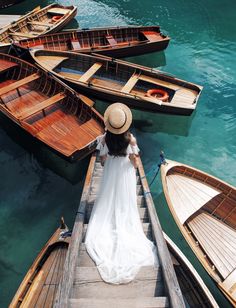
x=134 y=160
x=134 y=156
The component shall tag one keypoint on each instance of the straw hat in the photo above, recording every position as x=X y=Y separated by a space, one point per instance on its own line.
x=117 y=118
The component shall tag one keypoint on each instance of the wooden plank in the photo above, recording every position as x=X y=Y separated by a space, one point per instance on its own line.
x=5 y=65
x=137 y=287
x=130 y=84
x=51 y=62
x=39 y=23
x=41 y=106
x=22 y=34
x=91 y=274
x=90 y=72
x=76 y=45
x=58 y=10
x=19 y=83
x=66 y=283
x=111 y=40
x=217 y=239
x=152 y=36
x=139 y=302
x=172 y=286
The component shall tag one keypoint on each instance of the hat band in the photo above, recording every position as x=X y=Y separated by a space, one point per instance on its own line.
x=119 y=126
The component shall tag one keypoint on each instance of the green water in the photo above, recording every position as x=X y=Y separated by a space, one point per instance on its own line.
x=202 y=50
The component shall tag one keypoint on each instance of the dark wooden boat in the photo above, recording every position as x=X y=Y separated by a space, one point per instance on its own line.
x=115 y=42
x=195 y=292
x=7 y=3
x=49 y=19
x=40 y=284
x=48 y=109
x=117 y=80
x=204 y=209
x=81 y=284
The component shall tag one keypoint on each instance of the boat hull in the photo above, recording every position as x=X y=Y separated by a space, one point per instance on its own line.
x=208 y=214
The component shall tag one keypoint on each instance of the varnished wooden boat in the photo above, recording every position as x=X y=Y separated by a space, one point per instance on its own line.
x=48 y=109
x=40 y=284
x=49 y=19
x=115 y=42
x=81 y=284
x=195 y=292
x=204 y=209
x=116 y=80
x=7 y=3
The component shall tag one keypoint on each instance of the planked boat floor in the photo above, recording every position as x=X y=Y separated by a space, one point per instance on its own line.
x=217 y=239
x=90 y=291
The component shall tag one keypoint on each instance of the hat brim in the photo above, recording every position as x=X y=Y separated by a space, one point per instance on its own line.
x=127 y=124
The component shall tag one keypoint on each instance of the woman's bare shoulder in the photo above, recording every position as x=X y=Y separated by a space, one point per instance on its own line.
x=133 y=140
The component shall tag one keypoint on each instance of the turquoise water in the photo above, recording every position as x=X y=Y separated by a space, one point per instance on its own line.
x=36 y=187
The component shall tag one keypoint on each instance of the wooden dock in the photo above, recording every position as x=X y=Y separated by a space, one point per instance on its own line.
x=81 y=284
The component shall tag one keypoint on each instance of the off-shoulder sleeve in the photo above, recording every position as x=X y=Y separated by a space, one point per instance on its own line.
x=133 y=149
x=101 y=145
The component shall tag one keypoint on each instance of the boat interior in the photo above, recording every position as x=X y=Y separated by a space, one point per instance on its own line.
x=46 y=108
x=206 y=207
x=92 y=39
x=119 y=77
x=39 y=22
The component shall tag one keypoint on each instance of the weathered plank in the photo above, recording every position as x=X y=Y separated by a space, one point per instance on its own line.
x=138 y=302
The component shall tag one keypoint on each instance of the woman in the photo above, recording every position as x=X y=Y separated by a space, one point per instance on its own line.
x=115 y=239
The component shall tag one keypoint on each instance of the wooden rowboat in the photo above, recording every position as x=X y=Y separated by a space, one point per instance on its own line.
x=38 y=22
x=115 y=42
x=81 y=284
x=117 y=80
x=204 y=209
x=195 y=292
x=40 y=284
x=48 y=109
x=7 y=3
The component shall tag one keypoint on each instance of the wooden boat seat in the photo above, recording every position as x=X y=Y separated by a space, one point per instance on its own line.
x=54 y=61
x=90 y=72
x=19 y=83
x=111 y=40
x=75 y=44
x=39 y=23
x=218 y=241
x=41 y=106
x=58 y=11
x=22 y=34
x=5 y=65
x=130 y=84
x=160 y=82
x=152 y=36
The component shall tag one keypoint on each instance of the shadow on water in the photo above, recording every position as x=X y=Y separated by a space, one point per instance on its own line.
x=72 y=172
x=155 y=59
x=164 y=123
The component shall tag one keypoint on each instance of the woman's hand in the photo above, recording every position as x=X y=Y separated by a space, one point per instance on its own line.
x=103 y=159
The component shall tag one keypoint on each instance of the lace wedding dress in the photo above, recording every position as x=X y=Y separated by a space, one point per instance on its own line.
x=115 y=239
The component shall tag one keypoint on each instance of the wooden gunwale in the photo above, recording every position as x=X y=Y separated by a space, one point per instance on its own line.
x=170 y=280
x=78 y=106
x=104 y=85
x=191 y=238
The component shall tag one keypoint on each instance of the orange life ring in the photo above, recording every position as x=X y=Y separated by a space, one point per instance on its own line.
x=56 y=18
x=159 y=93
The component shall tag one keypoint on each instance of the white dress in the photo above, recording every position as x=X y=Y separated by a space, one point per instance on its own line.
x=115 y=239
